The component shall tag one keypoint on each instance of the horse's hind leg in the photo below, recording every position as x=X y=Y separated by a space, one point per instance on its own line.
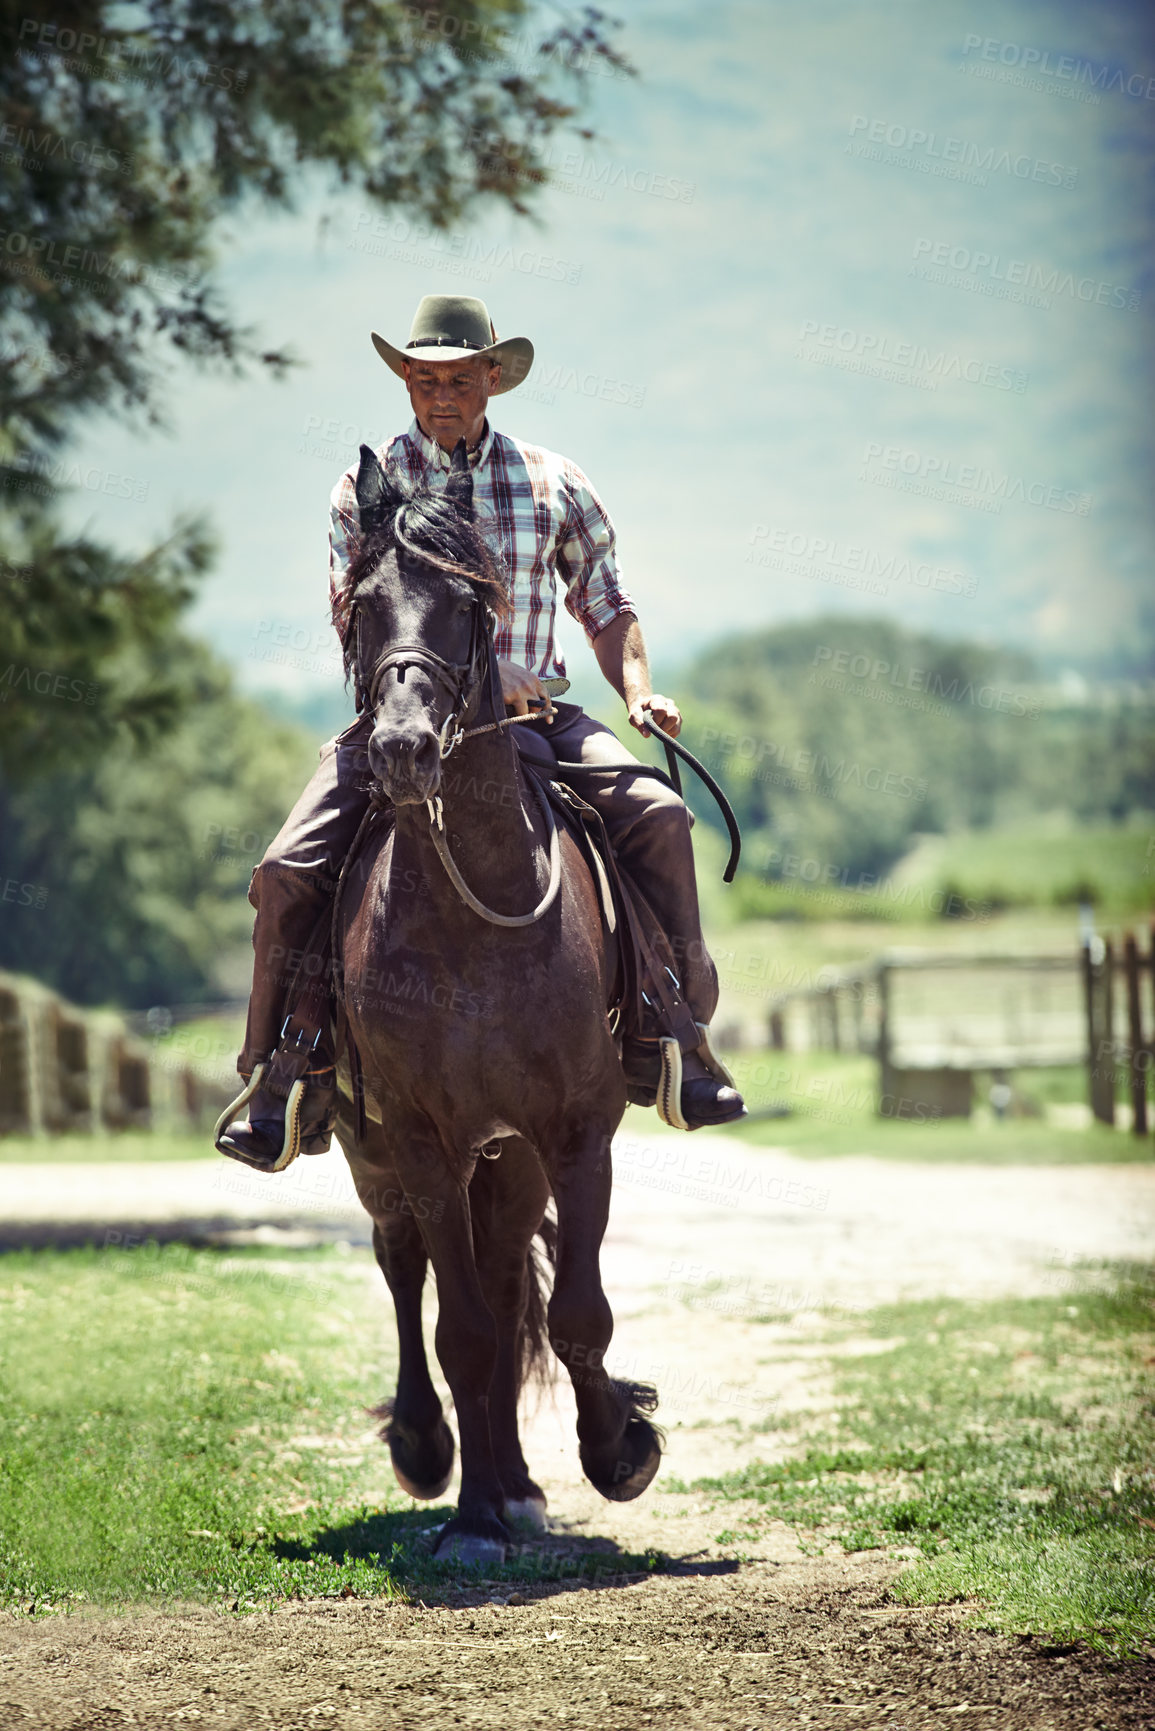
x=507 y=1199
x=620 y=1449
x=420 y=1441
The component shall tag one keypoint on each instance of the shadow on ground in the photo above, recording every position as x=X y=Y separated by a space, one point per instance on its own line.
x=402 y=1543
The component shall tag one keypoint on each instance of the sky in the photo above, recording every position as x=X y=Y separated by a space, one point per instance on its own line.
x=847 y=310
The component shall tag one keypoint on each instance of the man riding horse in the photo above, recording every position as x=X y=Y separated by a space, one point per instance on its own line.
x=547 y=521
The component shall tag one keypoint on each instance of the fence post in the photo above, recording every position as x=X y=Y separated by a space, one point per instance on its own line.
x=1148 y=962
x=1097 y=991
x=883 y=1030
x=1105 y=1072
x=1131 y=965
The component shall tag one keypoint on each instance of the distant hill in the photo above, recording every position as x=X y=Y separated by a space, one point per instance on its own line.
x=840 y=741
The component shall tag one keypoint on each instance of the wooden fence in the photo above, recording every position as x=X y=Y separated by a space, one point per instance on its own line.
x=65 y=1070
x=933 y=1019
x=1107 y=967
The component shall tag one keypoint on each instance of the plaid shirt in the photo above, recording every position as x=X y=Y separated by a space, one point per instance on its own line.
x=547 y=522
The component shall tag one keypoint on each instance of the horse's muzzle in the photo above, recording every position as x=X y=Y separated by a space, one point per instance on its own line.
x=409 y=769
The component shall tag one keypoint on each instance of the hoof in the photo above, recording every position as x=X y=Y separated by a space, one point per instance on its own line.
x=422 y=1465
x=526 y=1512
x=640 y=1457
x=423 y=1493
x=470 y=1550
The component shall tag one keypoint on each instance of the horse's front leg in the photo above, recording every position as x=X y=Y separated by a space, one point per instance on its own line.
x=508 y=1198
x=420 y=1442
x=620 y=1449
x=466 y=1343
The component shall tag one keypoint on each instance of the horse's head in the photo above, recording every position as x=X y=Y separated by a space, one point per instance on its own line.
x=424 y=586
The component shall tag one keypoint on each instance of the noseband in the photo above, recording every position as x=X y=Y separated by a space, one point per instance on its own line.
x=458 y=677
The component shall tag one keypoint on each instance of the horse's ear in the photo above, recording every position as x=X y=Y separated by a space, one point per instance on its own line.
x=377 y=497
x=459 y=486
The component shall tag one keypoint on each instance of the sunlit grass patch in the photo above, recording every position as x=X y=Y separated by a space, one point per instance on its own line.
x=150 y=1402
x=104 y=1146
x=1008 y=1447
x=191 y=1425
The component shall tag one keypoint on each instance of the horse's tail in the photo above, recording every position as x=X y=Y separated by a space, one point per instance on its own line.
x=536 y=1362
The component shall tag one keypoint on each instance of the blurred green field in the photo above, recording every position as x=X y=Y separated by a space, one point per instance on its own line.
x=966 y=879
x=127 y=1145
x=1042 y=861
x=210 y=1043
x=822 y=1105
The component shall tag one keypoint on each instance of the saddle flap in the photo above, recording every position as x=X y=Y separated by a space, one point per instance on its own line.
x=646 y=992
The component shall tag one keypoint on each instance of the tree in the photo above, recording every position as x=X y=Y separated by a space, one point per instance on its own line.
x=125 y=881
x=128 y=130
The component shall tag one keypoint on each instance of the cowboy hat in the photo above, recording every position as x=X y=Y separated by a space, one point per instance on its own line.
x=456 y=328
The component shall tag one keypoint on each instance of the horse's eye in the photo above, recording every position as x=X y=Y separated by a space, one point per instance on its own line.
x=465 y=606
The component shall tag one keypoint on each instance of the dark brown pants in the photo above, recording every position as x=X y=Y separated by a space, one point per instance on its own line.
x=292 y=888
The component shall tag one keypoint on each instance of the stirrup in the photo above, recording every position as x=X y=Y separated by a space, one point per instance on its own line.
x=291 y=1146
x=669 y=1101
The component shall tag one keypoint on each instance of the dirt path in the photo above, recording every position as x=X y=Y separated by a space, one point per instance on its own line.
x=851 y=1232
x=704 y=1237
x=767 y=1646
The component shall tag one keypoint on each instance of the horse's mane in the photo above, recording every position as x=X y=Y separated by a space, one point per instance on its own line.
x=436 y=529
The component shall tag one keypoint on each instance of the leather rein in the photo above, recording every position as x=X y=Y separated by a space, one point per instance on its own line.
x=460 y=679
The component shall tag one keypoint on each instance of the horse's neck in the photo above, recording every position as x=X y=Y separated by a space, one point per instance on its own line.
x=487 y=812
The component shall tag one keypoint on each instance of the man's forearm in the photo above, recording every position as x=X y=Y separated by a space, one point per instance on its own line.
x=621 y=653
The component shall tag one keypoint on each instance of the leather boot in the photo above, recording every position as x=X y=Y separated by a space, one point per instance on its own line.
x=707 y=1095
x=268 y=1139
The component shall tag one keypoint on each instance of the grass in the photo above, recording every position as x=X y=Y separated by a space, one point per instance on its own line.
x=759 y=959
x=1006 y=1447
x=950 y=1140
x=1042 y=859
x=108 y=1145
x=191 y=1425
x=822 y=1105
x=208 y=1043
x=967 y=878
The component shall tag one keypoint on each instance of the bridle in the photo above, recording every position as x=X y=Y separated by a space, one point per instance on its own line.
x=460 y=679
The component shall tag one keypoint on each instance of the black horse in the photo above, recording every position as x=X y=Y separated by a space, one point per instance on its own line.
x=469 y=935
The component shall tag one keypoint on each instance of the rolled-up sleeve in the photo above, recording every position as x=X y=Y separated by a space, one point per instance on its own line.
x=587 y=559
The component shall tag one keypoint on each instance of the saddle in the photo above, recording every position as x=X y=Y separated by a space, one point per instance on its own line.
x=649 y=1018
x=645 y=995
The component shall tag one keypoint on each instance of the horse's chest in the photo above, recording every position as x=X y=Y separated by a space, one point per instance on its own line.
x=415 y=989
